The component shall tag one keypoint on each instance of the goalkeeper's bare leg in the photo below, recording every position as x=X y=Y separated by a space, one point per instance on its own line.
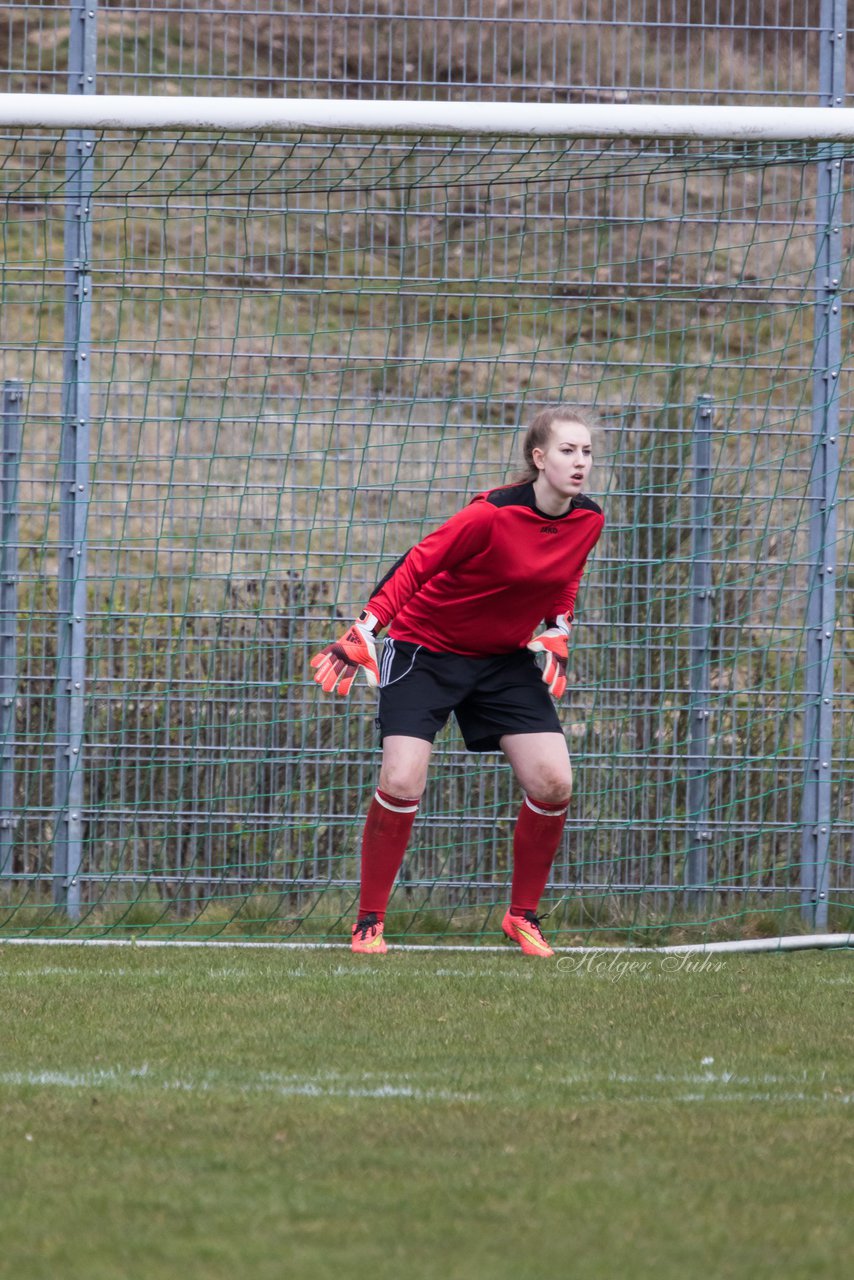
x=542 y=767
x=403 y=777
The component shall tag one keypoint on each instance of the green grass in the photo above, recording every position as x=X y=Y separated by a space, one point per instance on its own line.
x=272 y=1113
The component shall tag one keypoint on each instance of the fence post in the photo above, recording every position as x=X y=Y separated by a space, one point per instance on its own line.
x=696 y=866
x=823 y=488
x=13 y=396
x=74 y=476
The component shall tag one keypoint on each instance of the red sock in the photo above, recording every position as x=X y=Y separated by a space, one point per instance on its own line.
x=384 y=842
x=539 y=828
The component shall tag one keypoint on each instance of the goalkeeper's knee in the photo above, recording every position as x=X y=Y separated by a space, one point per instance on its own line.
x=553 y=789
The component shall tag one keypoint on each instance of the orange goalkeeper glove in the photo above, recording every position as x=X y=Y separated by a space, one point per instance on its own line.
x=554 y=644
x=337 y=664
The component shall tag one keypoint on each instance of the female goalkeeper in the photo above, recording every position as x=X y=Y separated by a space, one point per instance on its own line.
x=461 y=608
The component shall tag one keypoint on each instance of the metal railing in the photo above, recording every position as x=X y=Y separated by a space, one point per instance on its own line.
x=698 y=51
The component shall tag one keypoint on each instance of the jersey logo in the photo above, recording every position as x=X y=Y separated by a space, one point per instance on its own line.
x=548 y=528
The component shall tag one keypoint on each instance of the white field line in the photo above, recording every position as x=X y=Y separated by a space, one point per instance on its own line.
x=326 y=1085
x=796 y=942
x=358 y=972
x=658 y=1087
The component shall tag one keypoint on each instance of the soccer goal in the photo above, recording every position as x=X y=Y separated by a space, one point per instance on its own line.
x=253 y=351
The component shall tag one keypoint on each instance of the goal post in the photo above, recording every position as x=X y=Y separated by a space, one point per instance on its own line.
x=638 y=123
x=283 y=341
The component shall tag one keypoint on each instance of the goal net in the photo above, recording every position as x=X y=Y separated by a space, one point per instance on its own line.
x=246 y=370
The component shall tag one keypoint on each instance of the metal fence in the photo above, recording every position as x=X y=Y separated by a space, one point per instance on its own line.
x=220 y=424
x=702 y=51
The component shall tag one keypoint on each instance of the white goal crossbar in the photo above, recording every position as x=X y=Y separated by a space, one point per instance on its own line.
x=446 y=119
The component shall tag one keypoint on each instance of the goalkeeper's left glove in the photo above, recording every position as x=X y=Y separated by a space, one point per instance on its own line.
x=338 y=663
x=553 y=642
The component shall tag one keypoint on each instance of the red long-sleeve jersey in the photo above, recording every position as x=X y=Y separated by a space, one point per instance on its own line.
x=481 y=583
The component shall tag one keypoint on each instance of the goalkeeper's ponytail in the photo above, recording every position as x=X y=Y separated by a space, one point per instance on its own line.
x=539 y=433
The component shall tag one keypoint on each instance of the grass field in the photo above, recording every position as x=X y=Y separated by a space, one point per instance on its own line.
x=253 y=1114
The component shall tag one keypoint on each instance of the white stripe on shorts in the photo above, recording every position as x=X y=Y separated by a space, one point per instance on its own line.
x=388 y=660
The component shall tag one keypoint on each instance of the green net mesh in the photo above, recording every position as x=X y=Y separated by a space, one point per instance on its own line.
x=304 y=354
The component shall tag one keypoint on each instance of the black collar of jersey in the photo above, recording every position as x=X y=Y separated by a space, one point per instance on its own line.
x=522 y=495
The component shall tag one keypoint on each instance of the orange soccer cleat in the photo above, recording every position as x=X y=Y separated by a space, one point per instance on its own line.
x=368 y=937
x=526 y=931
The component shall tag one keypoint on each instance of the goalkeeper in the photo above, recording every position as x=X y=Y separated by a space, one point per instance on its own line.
x=461 y=608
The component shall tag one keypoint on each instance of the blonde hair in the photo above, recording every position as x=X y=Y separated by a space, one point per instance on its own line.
x=539 y=433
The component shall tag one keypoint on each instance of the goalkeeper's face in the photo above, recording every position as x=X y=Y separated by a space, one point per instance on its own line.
x=564 y=464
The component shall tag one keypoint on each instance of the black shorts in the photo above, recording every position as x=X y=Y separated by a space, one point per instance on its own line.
x=489 y=696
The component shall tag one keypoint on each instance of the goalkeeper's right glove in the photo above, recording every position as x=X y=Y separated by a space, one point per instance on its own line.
x=554 y=643
x=338 y=663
